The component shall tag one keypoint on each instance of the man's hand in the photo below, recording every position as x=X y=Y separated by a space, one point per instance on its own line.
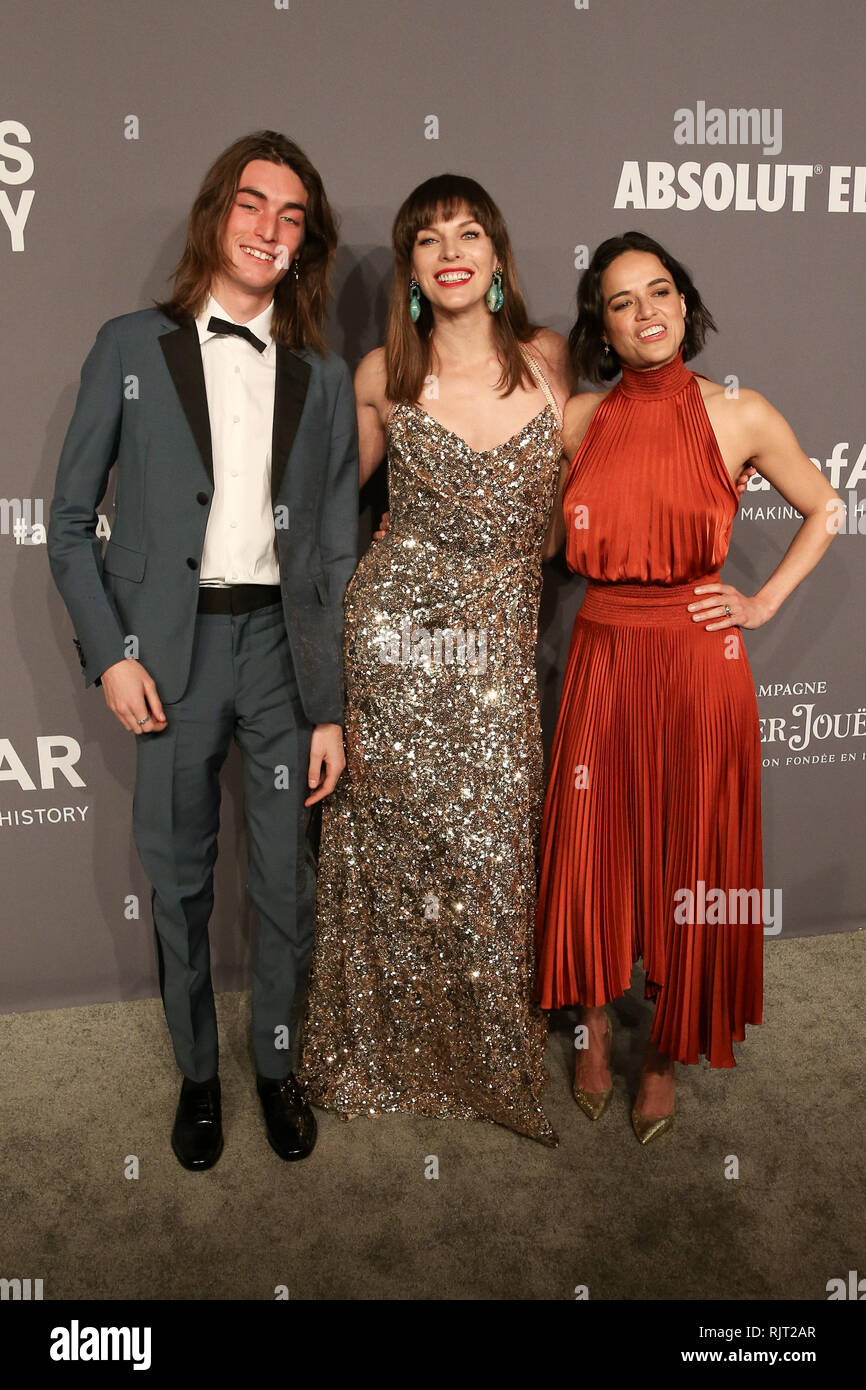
x=327 y=760
x=130 y=693
x=384 y=527
x=743 y=481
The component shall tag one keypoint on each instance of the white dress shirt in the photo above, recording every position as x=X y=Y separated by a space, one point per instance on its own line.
x=240 y=542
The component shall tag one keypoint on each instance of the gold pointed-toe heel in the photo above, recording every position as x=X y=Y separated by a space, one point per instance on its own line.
x=647 y=1129
x=594 y=1103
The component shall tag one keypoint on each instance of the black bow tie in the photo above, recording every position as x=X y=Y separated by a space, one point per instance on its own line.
x=240 y=329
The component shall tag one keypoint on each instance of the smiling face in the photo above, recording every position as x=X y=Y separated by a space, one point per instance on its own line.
x=453 y=262
x=263 y=233
x=644 y=313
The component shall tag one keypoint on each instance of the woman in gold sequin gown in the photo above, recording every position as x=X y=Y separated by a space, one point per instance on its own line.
x=422 y=975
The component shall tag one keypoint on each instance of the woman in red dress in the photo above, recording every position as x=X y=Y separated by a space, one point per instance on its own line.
x=651 y=839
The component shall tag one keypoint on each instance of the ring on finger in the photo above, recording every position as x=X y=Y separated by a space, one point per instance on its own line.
x=728 y=609
x=145 y=720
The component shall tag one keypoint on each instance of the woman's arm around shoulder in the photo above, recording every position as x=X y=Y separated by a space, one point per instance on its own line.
x=578 y=412
x=551 y=350
x=373 y=410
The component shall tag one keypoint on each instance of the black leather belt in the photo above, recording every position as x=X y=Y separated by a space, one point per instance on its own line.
x=237 y=598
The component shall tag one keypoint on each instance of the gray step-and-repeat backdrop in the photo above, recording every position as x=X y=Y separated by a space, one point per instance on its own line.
x=734 y=133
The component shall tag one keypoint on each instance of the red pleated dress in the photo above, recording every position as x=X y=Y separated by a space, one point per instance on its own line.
x=651 y=837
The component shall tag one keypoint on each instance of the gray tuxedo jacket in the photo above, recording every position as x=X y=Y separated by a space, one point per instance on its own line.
x=142 y=405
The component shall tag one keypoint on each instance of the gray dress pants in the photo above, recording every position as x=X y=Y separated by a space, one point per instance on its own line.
x=242 y=686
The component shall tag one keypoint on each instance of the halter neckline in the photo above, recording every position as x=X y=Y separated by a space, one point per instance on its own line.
x=655 y=383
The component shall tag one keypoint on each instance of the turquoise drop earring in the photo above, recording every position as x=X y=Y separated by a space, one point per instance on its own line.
x=494 y=296
x=414 y=300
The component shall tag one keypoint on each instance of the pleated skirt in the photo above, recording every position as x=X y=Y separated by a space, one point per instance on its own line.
x=651 y=836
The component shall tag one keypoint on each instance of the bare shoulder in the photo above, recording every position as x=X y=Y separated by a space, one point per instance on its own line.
x=551 y=349
x=742 y=399
x=579 y=410
x=551 y=346
x=370 y=379
x=738 y=402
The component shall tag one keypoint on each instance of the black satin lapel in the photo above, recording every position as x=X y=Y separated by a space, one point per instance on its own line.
x=182 y=352
x=290 y=390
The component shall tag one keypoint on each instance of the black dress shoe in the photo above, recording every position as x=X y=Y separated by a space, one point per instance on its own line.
x=197 y=1137
x=290 y=1121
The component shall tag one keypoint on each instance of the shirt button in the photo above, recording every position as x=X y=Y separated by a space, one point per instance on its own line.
x=202 y=497
x=233 y=524
x=236 y=419
x=193 y=564
x=234 y=472
x=237 y=371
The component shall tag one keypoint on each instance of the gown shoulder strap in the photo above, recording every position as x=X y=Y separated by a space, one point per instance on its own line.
x=535 y=368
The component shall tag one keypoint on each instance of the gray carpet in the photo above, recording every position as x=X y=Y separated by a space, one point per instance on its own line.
x=86 y=1088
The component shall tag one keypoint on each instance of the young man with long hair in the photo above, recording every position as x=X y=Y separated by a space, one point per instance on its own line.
x=216 y=611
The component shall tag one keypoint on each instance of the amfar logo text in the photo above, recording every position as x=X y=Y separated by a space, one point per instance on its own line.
x=54 y=753
x=54 y=765
x=16 y=167
x=846 y=515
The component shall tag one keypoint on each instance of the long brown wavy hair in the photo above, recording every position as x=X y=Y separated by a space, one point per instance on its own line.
x=407 y=344
x=299 y=305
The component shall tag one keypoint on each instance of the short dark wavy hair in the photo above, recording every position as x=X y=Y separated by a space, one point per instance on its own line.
x=585 y=340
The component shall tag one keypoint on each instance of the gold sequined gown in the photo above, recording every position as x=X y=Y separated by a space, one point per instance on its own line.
x=423 y=964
